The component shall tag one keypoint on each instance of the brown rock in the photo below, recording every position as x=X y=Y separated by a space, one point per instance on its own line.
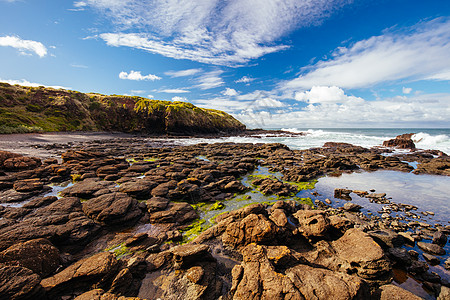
x=87 y=188
x=393 y=292
x=38 y=255
x=403 y=141
x=97 y=269
x=112 y=209
x=431 y=248
x=251 y=229
x=19 y=283
x=179 y=212
x=21 y=163
x=28 y=185
x=312 y=223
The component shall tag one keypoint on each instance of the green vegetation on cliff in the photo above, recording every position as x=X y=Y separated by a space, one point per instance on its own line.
x=31 y=109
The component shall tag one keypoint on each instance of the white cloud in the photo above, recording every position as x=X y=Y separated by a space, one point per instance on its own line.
x=27 y=83
x=244 y=79
x=325 y=94
x=137 y=92
x=230 y=92
x=79 y=4
x=177 y=98
x=421 y=52
x=183 y=73
x=406 y=90
x=210 y=80
x=79 y=66
x=174 y=91
x=415 y=111
x=210 y=31
x=136 y=75
x=24 y=46
x=150 y=96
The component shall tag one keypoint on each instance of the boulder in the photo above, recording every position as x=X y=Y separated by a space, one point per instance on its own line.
x=113 y=209
x=431 y=248
x=358 y=254
x=99 y=269
x=258 y=278
x=38 y=255
x=393 y=292
x=19 y=283
x=157 y=204
x=251 y=229
x=348 y=206
x=179 y=212
x=403 y=141
x=386 y=238
x=139 y=188
x=440 y=238
x=87 y=188
x=28 y=185
x=19 y=163
x=312 y=223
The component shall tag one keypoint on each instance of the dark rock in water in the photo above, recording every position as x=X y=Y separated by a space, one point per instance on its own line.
x=342 y=194
x=387 y=238
x=440 y=238
x=403 y=141
x=352 y=207
x=393 y=292
x=433 y=260
x=258 y=278
x=113 y=209
x=38 y=255
x=99 y=269
x=431 y=248
x=17 y=282
x=400 y=257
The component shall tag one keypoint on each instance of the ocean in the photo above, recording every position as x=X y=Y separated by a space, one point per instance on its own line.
x=436 y=139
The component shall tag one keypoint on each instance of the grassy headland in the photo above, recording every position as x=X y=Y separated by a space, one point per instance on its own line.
x=32 y=109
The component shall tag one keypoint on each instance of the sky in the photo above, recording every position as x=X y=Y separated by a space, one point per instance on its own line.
x=269 y=63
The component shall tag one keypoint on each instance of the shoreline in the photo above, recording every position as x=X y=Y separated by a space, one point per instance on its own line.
x=167 y=187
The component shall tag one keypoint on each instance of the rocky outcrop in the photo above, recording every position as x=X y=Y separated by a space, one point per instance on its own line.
x=98 y=270
x=19 y=283
x=48 y=109
x=403 y=141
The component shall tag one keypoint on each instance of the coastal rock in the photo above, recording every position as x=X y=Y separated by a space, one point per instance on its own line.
x=386 y=238
x=258 y=278
x=359 y=254
x=251 y=229
x=179 y=212
x=21 y=163
x=393 y=292
x=112 y=209
x=87 y=188
x=431 y=248
x=99 y=294
x=19 y=283
x=38 y=255
x=440 y=238
x=62 y=222
x=403 y=141
x=312 y=223
x=348 y=206
x=99 y=269
x=139 y=188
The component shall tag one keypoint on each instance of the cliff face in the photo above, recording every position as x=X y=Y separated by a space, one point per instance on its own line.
x=47 y=109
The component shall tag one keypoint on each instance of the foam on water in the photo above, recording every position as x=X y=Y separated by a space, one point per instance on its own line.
x=427 y=141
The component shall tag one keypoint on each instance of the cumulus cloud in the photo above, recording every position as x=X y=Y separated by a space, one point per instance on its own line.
x=244 y=79
x=210 y=31
x=415 y=111
x=325 y=94
x=136 y=75
x=183 y=73
x=33 y=84
x=230 y=92
x=210 y=80
x=24 y=46
x=174 y=91
x=406 y=90
x=177 y=98
x=420 y=52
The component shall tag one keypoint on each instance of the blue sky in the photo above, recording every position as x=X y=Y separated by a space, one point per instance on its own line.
x=272 y=63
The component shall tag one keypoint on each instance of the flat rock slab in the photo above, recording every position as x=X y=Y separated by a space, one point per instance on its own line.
x=431 y=248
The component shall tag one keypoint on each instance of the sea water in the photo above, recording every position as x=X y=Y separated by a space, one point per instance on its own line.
x=436 y=139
